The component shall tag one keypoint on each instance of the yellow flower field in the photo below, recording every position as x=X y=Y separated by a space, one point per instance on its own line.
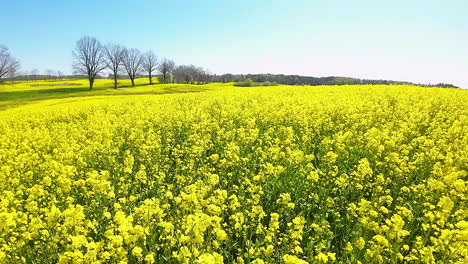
x=285 y=174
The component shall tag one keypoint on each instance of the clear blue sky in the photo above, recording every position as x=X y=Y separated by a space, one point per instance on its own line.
x=414 y=40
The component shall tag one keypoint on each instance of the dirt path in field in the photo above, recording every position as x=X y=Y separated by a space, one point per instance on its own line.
x=48 y=85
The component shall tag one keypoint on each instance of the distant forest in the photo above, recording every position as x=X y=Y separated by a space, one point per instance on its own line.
x=308 y=80
x=260 y=78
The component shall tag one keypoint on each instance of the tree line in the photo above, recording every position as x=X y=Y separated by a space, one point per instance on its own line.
x=308 y=80
x=91 y=60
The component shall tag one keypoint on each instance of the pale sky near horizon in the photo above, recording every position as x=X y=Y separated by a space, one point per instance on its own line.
x=411 y=40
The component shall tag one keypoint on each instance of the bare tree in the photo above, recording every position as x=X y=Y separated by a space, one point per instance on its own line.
x=89 y=58
x=8 y=65
x=166 y=66
x=28 y=76
x=49 y=74
x=114 y=57
x=191 y=74
x=184 y=73
x=60 y=75
x=132 y=61
x=34 y=73
x=204 y=77
x=150 y=63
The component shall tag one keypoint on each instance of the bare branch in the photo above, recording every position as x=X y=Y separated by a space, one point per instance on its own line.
x=89 y=58
x=132 y=61
x=191 y=74
x=8 y=65
x=150 y=63
x=114 y=57
x=165 y=67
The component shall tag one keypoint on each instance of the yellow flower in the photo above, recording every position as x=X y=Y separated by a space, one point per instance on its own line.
x=313 y=176
x=213 y=258
x=221 y=235
x=137 y=252
x=322 y=258
x=289 y=259
x=258 y=261
x=381 y=240
x=150 y=258
x=360 y=243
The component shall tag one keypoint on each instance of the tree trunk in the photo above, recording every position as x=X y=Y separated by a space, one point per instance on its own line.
x=115 y=81
x=151 y=81
x=91 y=82
x=133 y=81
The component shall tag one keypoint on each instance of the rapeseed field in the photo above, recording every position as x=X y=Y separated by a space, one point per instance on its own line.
x=284 y=174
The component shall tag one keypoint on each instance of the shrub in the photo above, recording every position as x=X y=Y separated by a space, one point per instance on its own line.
x=250 y=83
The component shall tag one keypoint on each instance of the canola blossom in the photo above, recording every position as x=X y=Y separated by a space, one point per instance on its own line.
x=342 y=174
